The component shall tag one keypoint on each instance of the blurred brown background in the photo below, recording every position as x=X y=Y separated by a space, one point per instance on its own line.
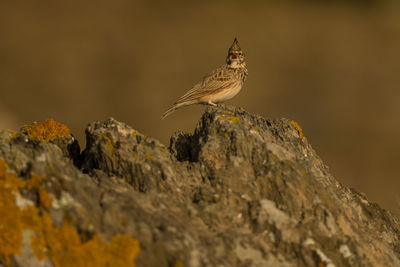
x=333 y=66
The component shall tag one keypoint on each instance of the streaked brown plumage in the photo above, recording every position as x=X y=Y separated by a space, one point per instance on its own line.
x=218 y=86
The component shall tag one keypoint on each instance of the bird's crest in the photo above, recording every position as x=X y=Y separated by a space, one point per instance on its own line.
x=235 y=47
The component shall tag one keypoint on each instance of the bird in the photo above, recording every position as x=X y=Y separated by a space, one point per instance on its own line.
x=219 y=85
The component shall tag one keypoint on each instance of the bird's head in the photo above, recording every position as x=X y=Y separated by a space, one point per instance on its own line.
x=235 y=58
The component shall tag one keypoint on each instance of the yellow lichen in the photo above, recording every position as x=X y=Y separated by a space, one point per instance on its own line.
x=178 y=263
x=298 y=128
x=110 y=144
x=148 y=156
x=231 y=119
x=62 y=245
x=12 y=133
x=161 y=148
x=46 y=131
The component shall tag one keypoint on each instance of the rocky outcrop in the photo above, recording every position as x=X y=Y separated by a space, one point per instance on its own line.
x=240 y=191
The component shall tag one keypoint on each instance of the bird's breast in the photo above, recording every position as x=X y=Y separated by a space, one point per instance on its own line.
x=226 y=93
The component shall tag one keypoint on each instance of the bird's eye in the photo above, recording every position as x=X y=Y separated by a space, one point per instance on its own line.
x=233 y=56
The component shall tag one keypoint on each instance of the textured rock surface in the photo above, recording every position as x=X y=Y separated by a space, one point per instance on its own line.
x=240 y=191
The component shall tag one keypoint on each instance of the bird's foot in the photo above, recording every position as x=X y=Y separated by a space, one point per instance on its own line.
x=212 y=104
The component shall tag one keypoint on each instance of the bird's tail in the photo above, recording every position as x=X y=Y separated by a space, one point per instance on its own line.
x=169 y=111
x=175 y=107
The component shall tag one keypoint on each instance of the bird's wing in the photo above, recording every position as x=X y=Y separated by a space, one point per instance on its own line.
x=212 y=83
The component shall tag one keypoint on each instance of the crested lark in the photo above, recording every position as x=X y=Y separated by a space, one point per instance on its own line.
x=218 y=86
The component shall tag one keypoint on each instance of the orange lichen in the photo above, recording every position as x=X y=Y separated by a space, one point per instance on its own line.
x=10 y=214
x=62 y=245
x=45 y=199
x=3 y=167
x=298 y=128
x=46 y=131
x=34 y=182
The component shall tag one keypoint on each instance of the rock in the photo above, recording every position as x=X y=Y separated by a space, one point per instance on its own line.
x=240 y=191
x=53 y=132
x=117 y=149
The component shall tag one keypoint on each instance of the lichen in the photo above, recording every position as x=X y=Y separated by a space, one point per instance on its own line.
x=161 y=148
x=110 y=144
x=45 y=199
x=62 y=245
x=10 y=215
x=46 y=131
x=11 y=134
x=232 y=119
x=298 y=128
x=34 y=182
x=178 y=263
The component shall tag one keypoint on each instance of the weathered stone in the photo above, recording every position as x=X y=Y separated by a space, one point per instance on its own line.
x=240 y=191
x=56 y=133
x=117 y=149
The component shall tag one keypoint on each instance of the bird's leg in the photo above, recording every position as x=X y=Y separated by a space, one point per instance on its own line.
x=211 y=103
